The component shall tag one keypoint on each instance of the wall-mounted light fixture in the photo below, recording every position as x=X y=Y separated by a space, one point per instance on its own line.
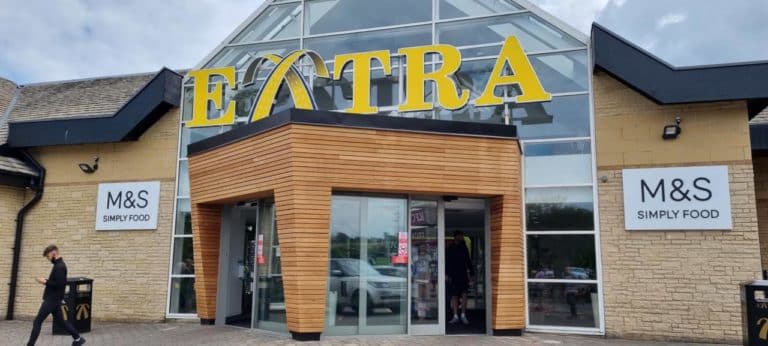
x=672 y=131
x=88 y=169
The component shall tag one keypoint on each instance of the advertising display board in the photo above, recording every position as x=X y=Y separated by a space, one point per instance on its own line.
x=680 y=198
x=127 y=206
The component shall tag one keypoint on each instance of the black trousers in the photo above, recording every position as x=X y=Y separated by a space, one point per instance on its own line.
x=50 y=307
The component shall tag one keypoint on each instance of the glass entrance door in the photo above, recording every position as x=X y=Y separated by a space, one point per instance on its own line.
x=427 y=264
x=368 y=268
x=268 y=299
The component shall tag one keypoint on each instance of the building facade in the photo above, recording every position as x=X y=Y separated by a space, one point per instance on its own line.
x=487 y=123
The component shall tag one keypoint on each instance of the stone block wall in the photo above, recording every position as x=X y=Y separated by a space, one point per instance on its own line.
x=129 y=268
x=673 y=285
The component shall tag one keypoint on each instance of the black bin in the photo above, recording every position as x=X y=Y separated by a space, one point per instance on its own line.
x=754 y=312
x=77 y=306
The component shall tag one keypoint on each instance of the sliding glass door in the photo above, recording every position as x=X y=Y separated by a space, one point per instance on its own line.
x=427 y=264
x=368 y=268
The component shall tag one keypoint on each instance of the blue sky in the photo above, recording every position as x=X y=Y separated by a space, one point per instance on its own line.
x=68 y=39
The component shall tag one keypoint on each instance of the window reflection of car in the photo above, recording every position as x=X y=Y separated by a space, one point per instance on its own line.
x=390 y=270
x=383 y=291
x=576 y=273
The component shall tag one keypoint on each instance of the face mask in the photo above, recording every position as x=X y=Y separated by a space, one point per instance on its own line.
x=53 y=260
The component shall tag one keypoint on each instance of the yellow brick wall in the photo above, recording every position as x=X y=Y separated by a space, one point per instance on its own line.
x=673 y=285
x=130 y=268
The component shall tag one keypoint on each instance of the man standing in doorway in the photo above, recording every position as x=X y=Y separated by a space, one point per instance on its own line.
x=459 y=273
x=53 y=297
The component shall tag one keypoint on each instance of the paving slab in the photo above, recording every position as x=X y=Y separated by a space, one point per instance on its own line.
x=183 y=333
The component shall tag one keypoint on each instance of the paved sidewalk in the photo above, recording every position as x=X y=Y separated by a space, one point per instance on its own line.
x=16 y=332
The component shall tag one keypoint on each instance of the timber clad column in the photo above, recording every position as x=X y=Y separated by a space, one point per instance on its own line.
x=507 y=269
x=205 y=240
x=303 y=225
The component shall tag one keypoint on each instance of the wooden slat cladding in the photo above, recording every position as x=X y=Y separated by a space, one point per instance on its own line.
x=301 y=165
x=205 y=239
x=507 y=268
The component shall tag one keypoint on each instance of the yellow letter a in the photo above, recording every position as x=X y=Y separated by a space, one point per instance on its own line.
x=523 y=75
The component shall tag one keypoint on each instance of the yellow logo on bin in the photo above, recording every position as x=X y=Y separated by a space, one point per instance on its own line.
x=83 y=311
x=512 y=67
x=65 y=311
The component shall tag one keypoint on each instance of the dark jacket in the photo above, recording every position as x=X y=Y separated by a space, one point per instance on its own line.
x=458 y=264
x=57 y=281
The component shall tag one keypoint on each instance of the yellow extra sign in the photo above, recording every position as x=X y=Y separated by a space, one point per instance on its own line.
x=448 y=94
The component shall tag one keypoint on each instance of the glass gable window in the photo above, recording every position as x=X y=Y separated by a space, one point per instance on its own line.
x=276 y=22
x=463 y=8
x=327 y=16
x=556 y=136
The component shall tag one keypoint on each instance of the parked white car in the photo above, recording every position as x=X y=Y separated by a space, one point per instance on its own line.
x=382 y=291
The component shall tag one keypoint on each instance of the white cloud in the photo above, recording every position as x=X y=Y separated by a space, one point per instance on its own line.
x=65 y=39
x=672 y=18
x=577 y=13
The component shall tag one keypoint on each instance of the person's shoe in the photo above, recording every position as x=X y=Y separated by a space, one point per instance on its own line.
x=464 y=319
x=78 y=342
x=454 y=320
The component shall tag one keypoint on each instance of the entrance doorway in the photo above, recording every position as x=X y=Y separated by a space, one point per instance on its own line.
x=250 y=275
x=465 y=221
x=239 y=266
x=444 y=276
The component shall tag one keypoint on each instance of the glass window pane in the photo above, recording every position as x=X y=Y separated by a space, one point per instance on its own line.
x=563 y=304
x=337 y=94
x=271 y=301
x=477 y=52
x=276 y=22
x=424 y=278
x=344 y=265
x=561 y=73
x=563 y=163
x=183 y=216
x=392 y=39
x=559 y=209
x=491 y=115
x=183 y=296
x=271 y=304
x=533 y=33
x=183 y=261
x=188 y=97
x=569 y=257
x=240 y=56
x=345 y=15
x=189 y=136
x=470 y=8
x=183 y=178
x=565 y=116
x=387 y=293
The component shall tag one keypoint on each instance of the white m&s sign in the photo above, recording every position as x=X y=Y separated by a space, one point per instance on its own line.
x=127 y=206
x=681 y=198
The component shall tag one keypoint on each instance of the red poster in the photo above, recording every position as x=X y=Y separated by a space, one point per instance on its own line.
x=260 y=250
x=402 y=249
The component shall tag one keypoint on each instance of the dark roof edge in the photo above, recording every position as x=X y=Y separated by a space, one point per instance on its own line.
x=667 y=84
x=758 y=136
x=132 y=119
x=336 y=119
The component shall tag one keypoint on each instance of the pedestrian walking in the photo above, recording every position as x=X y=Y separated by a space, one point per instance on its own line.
x=53 y=297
